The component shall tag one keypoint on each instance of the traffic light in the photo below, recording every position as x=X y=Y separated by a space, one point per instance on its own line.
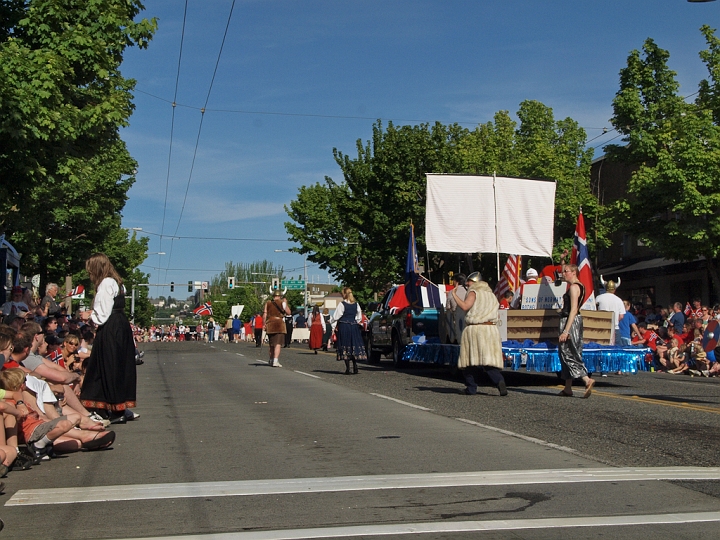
x=275 y=283
x=231 y=282
x=189 y=286
x=172 y=286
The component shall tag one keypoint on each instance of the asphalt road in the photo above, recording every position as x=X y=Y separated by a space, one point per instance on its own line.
x=227 y=447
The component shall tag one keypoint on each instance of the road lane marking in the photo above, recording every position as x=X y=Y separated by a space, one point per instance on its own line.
x=307 y=374
x=657 y=401
x=456 y=527
x=530 y=439
x=401 y=402
x=31 y=497
x=239 y=354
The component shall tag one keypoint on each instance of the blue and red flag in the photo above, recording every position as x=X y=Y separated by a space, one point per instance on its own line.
x=204 y=309
x=420 y=292
x=412 y=272
x=581 y=258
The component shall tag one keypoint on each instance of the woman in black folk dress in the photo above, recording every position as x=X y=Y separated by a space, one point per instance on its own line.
x=350 y=345
x=109 y=386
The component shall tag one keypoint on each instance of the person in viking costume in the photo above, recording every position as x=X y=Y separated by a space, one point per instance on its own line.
x=570 y=345
x=609 y=301
x=274 y=317
x=480 y=346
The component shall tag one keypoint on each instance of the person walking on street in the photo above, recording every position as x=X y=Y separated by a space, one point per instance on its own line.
x=288 y=329
x=274 y=317
x=480 y=345
x=236 y=326
x=328 y=329
x=571 y=334
x=211 y=330
x=317 y=329
x=350 y=345
x=258 y=329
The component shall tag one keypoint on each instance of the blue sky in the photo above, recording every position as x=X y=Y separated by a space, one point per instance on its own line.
x=299 y=78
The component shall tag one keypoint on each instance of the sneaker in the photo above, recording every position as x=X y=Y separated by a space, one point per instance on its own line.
x=130 y=415
x=95 y=417
x=276 y=363
x=39 y=454
x=23 y=462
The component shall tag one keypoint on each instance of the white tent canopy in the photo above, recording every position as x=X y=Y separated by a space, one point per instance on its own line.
x=485 y=214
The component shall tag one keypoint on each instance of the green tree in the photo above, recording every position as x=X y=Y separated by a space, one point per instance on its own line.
x=252 y=283
x=543 y=148
x=64 y=172
x=358 y=229
x=674 y=202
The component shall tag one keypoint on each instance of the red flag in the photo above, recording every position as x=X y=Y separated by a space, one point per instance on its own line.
x=510 y=277
x=581 y=258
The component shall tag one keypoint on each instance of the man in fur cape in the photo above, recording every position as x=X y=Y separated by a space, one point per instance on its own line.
x=480 y=346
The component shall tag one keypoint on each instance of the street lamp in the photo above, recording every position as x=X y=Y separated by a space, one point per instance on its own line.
x=305 y=295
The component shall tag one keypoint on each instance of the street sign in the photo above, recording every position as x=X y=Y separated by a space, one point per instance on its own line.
x=294 y=284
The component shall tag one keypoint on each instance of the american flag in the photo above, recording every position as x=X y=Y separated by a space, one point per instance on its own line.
x=581 y=258
x=510 y=277
x=205 y=309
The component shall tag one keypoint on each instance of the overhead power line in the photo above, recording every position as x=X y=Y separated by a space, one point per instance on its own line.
x=197 y=140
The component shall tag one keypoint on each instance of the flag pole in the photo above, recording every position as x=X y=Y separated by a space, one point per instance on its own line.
x=497 y=243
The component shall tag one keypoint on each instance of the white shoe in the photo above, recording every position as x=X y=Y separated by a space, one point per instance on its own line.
x=95 y=417
x=277 y=363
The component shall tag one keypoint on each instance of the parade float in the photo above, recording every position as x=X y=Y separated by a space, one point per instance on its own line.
x=489 y=214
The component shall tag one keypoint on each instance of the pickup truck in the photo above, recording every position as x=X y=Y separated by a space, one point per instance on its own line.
x=393 y=324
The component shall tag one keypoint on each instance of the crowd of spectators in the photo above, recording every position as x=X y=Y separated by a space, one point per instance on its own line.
x=44 y=352
x=675 y=335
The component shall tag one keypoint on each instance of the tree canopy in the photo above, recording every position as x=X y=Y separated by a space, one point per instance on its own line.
x=64 y=171
x=674 y=202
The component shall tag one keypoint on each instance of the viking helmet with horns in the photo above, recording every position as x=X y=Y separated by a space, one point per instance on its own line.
x=610 y=286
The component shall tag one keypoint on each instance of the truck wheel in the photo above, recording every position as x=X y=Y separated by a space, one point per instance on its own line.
x=397 y=351
x=373 y=355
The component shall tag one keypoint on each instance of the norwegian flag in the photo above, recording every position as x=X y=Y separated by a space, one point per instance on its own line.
x=77 y=290
x=510 y=277
x=581 y=258
x=205 y=309
x=688 y=309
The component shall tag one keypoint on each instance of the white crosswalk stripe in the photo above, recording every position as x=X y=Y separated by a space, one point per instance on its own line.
x=354 y=483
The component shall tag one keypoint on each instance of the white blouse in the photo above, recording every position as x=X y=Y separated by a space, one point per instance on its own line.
x=340 y=310
x=104 y=300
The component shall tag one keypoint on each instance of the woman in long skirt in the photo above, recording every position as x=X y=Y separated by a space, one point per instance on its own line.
x=109 y=386
x=317 y=329
x=350 y=345
x=571 y=334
